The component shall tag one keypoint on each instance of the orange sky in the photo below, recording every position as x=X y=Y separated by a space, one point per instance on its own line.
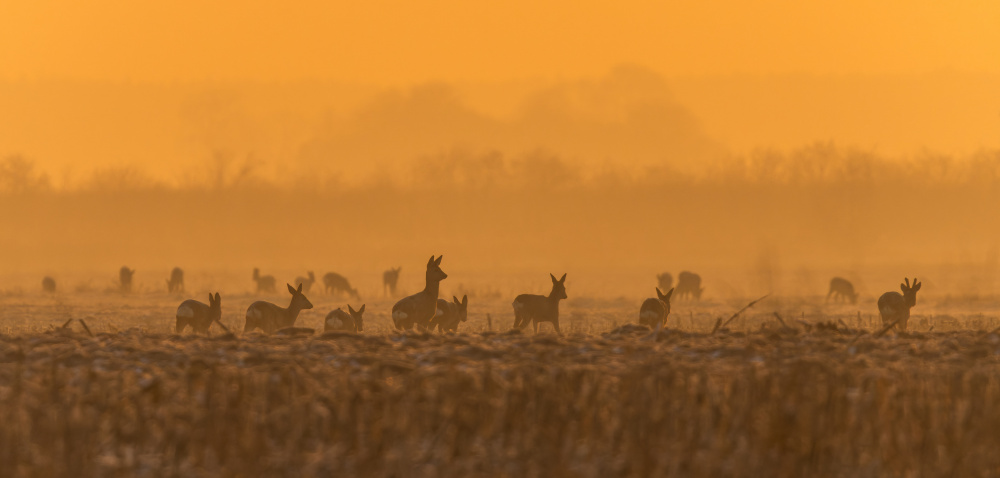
x=401 y=42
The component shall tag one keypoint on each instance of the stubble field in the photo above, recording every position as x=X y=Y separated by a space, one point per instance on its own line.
x=818 y=392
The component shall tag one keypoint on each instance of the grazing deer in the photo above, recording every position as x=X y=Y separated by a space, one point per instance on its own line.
x=176 y=281
x=125 y=279
x=389 y=280
x=48 y=284
x=842 y=289
x=418 y=309
x=665 y=281
x=350 y=321
x=654 y=311
x=689 y=286
x=198 y=315
x=264 y=283
x=540 y=308
x=334 y=283
x=307 y=282
x=269 y=317
x=449 y=314
x=895 y=307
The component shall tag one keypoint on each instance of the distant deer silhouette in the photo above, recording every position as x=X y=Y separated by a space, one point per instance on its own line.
x=176 y=281
x=269 y=317
x=449 y=314
x=350 y=321
x=655 y=311
x=48 y=285
x=389 y=280
x=198 y=315
x=125 y=279
x=334 y=283
x=665 y=281
x=842 y=289
x=307 y=282
x=264 y=283
x=418 y=309
x=895 y=307
x=689 y=286
x=531 y=308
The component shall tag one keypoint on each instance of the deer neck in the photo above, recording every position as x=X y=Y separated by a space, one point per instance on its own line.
x=432 y=286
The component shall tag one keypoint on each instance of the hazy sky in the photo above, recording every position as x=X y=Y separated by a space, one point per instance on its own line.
x=399 y=42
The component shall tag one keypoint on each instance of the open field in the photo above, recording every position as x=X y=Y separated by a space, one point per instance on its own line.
x=822 y=396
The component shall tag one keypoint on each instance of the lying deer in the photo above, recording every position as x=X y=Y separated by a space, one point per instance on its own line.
x=654 y=311
x=269 y=317
x=350 y=321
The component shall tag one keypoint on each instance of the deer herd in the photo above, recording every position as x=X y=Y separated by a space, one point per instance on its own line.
x=426 y=311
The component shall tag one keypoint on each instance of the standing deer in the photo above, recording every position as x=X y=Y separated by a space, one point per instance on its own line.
x=418 y=309
x=689 y=285
x=264 y=283
x=895 y=307
x=176 y=281
x=48 y=284
x=449 y=314
x=334 y=283
x=350 y=321
x=842 y=289
x=539 y=308
x=269 y=317
x=307 y=282
x=665 y=281
x=198 y=315
x=125 y=279
x=389 y=280
x=654 y=311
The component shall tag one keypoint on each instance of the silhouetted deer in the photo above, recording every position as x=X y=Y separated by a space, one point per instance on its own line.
x=350 y=321
x=269 y=317
x=264 y=283
x=48 y=285
x=307 y=282
x=418 y=309
x=895 y=307
x=449 y=314
x=198 y=315
x=842 y=289
x=176 y=281
x=125 y=279
x=334 y=283
x=665 y=281
x=689 y=285
x=389 y=280
x=539 y=308
x=655 y=311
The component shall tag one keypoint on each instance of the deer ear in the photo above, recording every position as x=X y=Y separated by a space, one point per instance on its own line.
x=431 y=260
x=456 y=300
x=291 y=289
x=903 y=287
x=658 y=293
x=362 y=309
x=351 y=309
x=217 y=297
x=668 y=294
x=210 y=298
x=438 y=261
x=916 y=285
x=554 y=280
x=563 y=279
x=465 y=299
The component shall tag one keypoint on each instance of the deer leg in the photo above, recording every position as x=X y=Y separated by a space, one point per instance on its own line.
x=555 y=323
